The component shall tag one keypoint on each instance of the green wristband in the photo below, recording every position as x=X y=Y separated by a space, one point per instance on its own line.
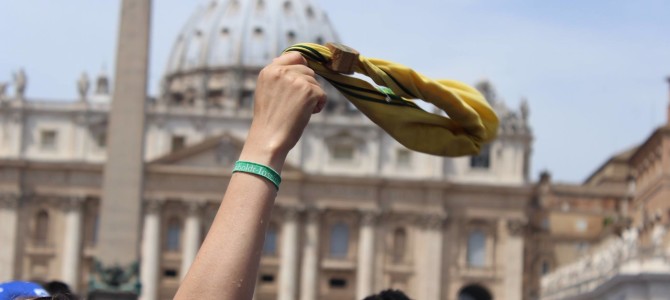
x=258 y=169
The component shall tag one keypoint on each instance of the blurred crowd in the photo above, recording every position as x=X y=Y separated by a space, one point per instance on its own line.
x=24 y=290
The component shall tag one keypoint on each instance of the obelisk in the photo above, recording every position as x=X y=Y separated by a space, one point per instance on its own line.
x=117 y=251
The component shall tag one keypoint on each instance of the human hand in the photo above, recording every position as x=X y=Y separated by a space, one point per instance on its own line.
x=287 y=93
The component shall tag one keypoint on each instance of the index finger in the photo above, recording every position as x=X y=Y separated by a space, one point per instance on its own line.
x=290 y=58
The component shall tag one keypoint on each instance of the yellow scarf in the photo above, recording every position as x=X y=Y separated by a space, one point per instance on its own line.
x=470 y=122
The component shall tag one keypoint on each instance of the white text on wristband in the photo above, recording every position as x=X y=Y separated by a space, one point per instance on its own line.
x=258 y=169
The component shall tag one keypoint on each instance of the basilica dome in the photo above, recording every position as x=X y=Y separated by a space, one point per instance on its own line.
x=221 y=48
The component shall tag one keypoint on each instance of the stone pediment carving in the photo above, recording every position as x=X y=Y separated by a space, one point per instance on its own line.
x=350 y=137
x=219 y=151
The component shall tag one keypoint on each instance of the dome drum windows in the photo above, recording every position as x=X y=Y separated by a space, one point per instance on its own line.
x=258 y=32
x=309 y=11
x=288 y=6
x=291 y=37
x=234 y=35
x=233 y=8
x=260 y=5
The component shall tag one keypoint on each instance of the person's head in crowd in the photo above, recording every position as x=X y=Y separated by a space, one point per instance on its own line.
x=13 y=290
x=57 y=287
x=54 y=297
x=388 y=295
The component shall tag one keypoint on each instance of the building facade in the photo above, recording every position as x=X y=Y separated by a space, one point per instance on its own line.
x=356 y=212
x=630 y=258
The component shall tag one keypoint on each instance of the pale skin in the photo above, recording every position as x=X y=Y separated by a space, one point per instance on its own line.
x=287 y=94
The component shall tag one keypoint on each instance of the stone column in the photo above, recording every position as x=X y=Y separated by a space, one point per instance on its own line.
x=430 y=281
x=72 y=242
x=288 y=264
x=514 y=259
x=191 y=237
x=366 y=248
x=151 y=250
x=9 y=211
x=309 y=289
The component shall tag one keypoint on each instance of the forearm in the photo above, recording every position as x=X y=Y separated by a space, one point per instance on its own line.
x=227 y=263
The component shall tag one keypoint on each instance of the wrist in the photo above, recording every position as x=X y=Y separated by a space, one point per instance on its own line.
x=263 y=152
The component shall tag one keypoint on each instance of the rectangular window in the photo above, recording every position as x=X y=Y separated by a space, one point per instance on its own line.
x=483 y=159
x=48 y=139
x=270 y=244
x=477 y=249
x=545 y=223
x=267 y=278
x=178 y=142
x=545 y=268
x=171 y=273
x=338 y=283
x=342 y=152
x=101 y=140
x=403 y=158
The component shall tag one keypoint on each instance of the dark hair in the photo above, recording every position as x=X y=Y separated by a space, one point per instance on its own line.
x=388 y=295
x=57 y=287
x=57 y=297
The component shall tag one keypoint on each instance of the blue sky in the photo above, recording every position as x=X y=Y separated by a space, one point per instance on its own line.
x=593 y=71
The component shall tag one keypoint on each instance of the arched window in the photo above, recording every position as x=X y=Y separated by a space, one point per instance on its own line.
x=290 y=36
x=173 y=234
x=474 y=292
x=287 y=6
x=270 y=244
x=339 y=240
x=41 y=234
x=399 y=245
x=260 y=5
x=477 y=249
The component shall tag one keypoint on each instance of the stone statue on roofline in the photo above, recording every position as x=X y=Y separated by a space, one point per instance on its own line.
x=83 y=84
x=3 y=89
x=20 y=83
x=525 y=111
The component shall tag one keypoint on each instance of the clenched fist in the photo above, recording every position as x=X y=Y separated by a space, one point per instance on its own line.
x=287 y=94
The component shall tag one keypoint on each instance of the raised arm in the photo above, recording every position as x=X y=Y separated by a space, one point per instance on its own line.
x=227 y=263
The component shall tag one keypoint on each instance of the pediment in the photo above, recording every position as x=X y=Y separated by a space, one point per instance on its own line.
x=345 y=137
x=219 y=151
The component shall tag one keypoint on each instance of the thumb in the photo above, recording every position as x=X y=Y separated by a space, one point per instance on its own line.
x=290 y=58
